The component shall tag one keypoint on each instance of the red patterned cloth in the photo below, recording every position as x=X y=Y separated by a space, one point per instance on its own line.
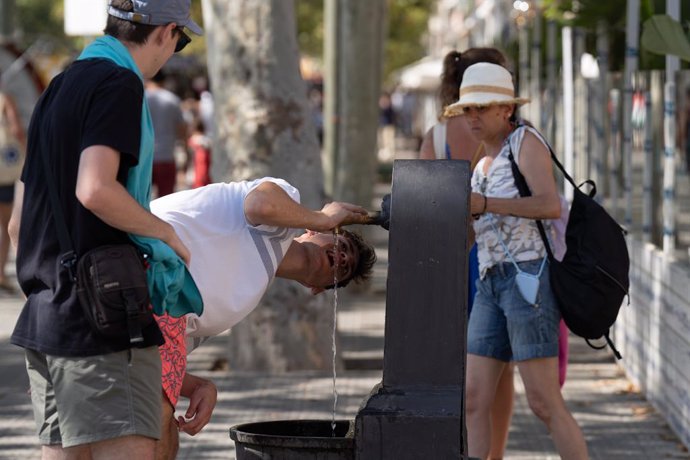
x=173 y=355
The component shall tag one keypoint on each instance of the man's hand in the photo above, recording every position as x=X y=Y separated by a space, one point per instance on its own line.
x=202 y=401
x=174 y=241
x=339 y=213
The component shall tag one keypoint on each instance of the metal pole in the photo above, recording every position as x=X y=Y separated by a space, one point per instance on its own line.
x=332 y=105
x=590 y=145
x=648 y=171
x=549 y=120
x=568 y=108
x=614 y=150
x=672 y=62
x=580 y=156
x=535 y=73
x=631 y=58
x=669 y=206
x=602 y=106
x=523 y=40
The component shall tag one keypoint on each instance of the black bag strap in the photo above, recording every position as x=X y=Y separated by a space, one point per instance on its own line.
x=524 y=191
x=68 y=259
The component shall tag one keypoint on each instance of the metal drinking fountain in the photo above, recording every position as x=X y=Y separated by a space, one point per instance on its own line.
x=418 y=409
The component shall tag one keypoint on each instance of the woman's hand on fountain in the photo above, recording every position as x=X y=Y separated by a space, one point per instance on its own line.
x=202 y=401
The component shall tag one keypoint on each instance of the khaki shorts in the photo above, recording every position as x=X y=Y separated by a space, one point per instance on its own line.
x=84 y=400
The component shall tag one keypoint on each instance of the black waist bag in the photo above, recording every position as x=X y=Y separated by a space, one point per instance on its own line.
x=113 y=291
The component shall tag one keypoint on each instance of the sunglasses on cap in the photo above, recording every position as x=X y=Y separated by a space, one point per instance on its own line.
x=183 y=39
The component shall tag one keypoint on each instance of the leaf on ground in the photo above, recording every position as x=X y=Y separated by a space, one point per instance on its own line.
x=642 y=411
x=630 y=389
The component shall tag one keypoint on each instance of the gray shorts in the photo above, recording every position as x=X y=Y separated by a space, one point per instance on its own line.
x=84 y=400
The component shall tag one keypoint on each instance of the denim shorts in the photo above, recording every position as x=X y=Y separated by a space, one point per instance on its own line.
x=83 y=400
x=504 y=326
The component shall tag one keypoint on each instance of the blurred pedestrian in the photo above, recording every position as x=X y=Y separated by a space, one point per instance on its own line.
x=386 y=128
x=516 y=317
x=12 y=148
x=200 y=147
x=206 y=110
x=170 y=130
x=90 y=135
x=316 y=106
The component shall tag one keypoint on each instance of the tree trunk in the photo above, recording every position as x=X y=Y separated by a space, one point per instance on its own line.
x=354 y=63
x=265 y=129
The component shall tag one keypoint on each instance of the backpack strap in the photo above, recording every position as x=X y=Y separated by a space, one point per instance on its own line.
x=524 y=191
x=609 y=342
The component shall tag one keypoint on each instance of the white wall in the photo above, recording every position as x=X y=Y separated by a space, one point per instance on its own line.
x=653 y=333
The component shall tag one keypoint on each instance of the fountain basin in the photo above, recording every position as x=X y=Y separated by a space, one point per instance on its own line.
x=294 y=440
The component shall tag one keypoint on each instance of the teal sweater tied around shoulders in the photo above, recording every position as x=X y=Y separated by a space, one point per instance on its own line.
x=171 y=286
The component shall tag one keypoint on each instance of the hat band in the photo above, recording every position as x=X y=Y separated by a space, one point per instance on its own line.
x=486 y=89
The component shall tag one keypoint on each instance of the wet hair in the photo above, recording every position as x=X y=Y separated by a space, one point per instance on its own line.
x=365 y=262
x=454 y=65
x=128 y=31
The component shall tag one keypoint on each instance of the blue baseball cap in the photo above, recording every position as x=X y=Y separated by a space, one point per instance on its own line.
x=158 y=13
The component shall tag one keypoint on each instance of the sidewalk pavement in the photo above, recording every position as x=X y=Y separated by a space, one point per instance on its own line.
x=617 y=421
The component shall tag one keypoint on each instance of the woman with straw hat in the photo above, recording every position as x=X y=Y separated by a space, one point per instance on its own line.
x=515 y=316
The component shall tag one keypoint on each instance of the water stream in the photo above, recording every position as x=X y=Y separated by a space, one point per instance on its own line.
x=335 y=322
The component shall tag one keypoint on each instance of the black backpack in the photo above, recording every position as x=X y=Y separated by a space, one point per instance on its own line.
x=592 y=279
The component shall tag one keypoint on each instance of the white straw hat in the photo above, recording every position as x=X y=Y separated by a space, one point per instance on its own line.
x=484 y=84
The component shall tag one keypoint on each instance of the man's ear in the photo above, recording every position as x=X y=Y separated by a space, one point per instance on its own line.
x=163 y=31
x=316 y=290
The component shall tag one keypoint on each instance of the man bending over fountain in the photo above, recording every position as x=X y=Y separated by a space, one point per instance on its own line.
x=241 y=235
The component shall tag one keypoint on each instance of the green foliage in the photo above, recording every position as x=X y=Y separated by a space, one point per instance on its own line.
x=407 y=24
x=586 y=14
x=310 y=27
x=45 y=19
x=42 y=18
x=663 y=35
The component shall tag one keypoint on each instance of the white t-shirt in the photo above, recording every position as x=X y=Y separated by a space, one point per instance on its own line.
x=232 y=262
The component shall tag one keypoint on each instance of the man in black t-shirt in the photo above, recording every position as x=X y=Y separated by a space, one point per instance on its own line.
x=93 y=396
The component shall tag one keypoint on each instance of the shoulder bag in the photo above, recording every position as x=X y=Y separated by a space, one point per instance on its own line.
x=111 y=280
